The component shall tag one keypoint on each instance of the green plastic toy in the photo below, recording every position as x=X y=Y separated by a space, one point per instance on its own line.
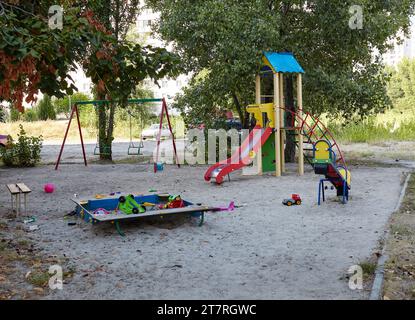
x=128 y=205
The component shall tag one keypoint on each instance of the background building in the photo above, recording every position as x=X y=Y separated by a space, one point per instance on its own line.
x=168 y=87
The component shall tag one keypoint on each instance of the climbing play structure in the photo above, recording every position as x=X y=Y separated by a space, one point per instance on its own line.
x=324 y=162
x=275 y=123
x=132 y=146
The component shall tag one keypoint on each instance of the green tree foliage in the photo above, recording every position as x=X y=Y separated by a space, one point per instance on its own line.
x=45 y=109
x=120 y=66
x=30 y=115
x=14 y=115
x=401 y=87
x=225 y=39
x=142 y=114
x=63 y=105
x=35 y=57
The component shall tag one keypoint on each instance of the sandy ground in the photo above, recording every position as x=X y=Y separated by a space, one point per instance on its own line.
x=263 y=250
x=404 y=151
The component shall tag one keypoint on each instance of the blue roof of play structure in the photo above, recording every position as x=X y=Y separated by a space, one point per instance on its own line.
x=284 y=62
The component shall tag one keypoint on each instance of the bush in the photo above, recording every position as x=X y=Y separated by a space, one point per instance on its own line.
x=30 y=115
x=14 y=114
x=45 y=109
x=23 y=153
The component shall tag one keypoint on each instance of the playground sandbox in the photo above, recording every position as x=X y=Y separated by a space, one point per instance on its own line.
x=262 y=250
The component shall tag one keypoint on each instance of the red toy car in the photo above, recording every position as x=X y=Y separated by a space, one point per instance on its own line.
x=295 y=200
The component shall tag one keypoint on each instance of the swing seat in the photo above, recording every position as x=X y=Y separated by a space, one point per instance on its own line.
x=97 y=151
x=133 y=146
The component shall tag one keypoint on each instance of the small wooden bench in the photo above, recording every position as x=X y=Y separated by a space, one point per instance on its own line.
x=16 y=189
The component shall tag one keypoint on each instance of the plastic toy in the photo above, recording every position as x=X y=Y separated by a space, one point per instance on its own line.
x=49 y=188
x=160 y=166
x=229 y=208
x=174 y=202
x=128 y=205
x=295 y=200
x=101 y=211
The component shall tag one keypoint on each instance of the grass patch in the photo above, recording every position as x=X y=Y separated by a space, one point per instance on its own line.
x=389 y=126
x=53 y=130
x=3 y=246
x=368 y=267
x=39 y=278
x=401 y=230
x=400 y=268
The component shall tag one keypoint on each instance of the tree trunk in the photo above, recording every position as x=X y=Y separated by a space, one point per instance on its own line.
x=243 y=115
x=289 y=105
x=105 y=130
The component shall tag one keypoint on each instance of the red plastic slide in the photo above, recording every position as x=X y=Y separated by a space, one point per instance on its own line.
x=242 y=157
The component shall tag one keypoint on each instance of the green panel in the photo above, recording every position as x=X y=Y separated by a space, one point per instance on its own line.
x=268 y=155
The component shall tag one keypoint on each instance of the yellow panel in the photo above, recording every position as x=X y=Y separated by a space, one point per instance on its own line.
x=345 y=172
x=256 y=111
x=269 y=110
x=322 y=151
x=266 y=62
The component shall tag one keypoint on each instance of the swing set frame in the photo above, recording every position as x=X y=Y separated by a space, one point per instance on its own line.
x=103 y=103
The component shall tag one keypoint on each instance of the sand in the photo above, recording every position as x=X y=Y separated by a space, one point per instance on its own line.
x=263 y=250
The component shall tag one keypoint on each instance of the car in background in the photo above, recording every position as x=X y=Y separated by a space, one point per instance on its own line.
x=233 y=124
x=3 y=141
x=153 y=132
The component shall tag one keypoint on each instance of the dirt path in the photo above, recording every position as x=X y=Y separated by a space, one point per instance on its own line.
x=261 y=251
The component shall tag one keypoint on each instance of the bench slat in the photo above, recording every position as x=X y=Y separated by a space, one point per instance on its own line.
x=23 y=188
x=13 y=188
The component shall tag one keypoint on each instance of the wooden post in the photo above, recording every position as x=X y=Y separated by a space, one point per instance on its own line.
x=277 y=102
x=300 y=136
x=282 y=124
x=258 y=89
x=258 y=101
